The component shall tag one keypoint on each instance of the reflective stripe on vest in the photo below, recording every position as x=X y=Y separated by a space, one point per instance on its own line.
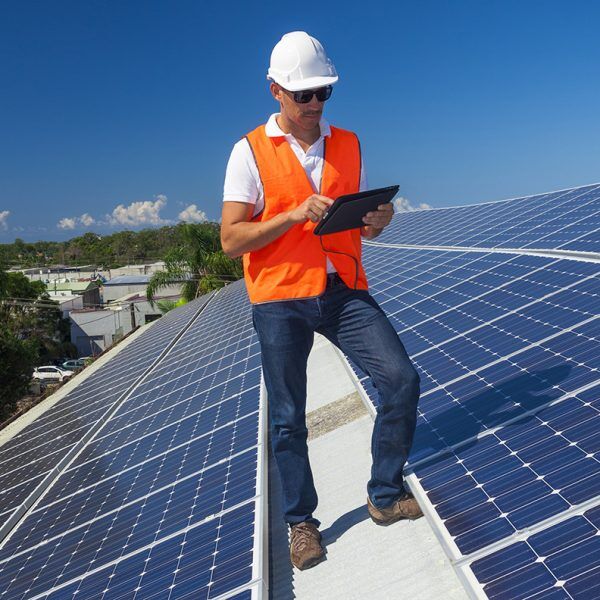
x=294 y=265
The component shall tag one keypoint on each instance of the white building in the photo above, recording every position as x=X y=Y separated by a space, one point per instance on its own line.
x=128 y=284
x=67 y=302
x=94 y=330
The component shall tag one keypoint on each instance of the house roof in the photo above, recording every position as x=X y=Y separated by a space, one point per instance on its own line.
x=128 y=280
x=73 y=286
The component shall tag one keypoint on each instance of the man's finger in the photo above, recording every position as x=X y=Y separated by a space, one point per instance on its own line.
x=321 y=205
x=328 y=201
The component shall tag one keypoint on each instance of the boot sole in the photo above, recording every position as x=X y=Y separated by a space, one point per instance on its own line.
x=384 y=522
x=310 y=563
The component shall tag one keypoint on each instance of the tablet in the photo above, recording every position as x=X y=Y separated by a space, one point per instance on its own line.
x=348 y=211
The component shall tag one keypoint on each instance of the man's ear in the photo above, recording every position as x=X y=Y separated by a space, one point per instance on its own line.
x=275 y=91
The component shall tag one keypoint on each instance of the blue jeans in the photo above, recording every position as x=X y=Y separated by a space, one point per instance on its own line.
x=354 y=322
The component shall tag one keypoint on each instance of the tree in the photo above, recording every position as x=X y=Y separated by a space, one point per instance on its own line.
x=198 y=261
x=16 y=367
x=28 y=313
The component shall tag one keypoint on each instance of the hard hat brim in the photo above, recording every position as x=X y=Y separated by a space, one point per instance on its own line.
x=306 y=84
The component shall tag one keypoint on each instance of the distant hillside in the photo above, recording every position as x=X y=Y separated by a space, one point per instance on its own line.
x=110 y=251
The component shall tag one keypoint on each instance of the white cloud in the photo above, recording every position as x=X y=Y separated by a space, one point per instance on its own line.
x=86 y=220
x=67 y=223
x=192 y=215
x=139 y=213
x=3 y=217
x=403 y=205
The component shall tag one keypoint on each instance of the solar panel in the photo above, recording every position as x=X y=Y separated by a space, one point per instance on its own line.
x=166 y=500
x=30 y=459
x=560 y=561
x=506 y=344
x=569 y=220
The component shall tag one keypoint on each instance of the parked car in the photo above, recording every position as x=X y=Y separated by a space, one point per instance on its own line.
x=73 y=364
x=50 y=373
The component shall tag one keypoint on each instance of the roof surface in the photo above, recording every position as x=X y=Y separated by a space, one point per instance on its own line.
x=128 y=280
x=77 y=286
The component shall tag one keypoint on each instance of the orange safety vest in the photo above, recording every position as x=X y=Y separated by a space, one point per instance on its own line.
x=294 y=265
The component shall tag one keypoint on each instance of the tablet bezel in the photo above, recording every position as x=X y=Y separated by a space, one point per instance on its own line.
x=371 y=200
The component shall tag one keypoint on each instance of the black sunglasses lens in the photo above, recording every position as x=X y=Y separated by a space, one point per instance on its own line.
x=324 y=93
x=305 y=96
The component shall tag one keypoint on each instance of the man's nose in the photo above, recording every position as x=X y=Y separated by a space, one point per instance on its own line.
x=314 y=103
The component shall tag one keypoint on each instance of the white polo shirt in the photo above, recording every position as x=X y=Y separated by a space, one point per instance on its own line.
x=242 y=181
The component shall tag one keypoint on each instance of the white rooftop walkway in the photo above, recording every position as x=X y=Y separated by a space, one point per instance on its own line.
x=364 y=561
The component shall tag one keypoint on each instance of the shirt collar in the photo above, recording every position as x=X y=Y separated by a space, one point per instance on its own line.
x=273 y=130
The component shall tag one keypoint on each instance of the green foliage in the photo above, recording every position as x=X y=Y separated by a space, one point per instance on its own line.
x=16 y=367
x=117 y=249
x=198 y=260
x=28 y=314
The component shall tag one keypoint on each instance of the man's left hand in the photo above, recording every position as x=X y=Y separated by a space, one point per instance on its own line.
x=375 y=221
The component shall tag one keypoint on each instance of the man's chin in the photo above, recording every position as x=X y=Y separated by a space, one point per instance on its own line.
x=310 y=121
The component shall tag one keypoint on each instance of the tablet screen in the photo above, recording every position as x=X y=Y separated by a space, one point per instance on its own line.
x=348 y=211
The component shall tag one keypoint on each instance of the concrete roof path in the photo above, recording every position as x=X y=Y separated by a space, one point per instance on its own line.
x=364 y=561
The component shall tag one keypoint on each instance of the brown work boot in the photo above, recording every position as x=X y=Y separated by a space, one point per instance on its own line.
x=406 y=507
x=305 y=545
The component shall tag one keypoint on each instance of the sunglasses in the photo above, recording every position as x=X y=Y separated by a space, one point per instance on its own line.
x=305 y=96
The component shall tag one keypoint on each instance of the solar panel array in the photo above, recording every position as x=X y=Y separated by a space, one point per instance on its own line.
x=166 y=499
x=146 y=481
x=567 y=220
x=506 y=454
x=31 y=458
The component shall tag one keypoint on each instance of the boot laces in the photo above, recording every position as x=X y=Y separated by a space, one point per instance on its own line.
x=302 y=536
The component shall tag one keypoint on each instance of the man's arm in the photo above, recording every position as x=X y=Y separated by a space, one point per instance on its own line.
x=239 y=235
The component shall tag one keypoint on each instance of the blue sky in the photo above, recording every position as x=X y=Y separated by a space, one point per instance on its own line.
x=133 y=104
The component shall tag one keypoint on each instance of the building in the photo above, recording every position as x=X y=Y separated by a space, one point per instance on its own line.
x=67 y=302
x=60 y=273
x=144 y=269
x=128 y=284
x=95 y=329
x=89 y=290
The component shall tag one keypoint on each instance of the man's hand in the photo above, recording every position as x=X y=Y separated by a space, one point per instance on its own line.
x=375 y=221
x=313 y=208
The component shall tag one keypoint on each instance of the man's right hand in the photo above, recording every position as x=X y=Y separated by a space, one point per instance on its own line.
x=313 y=208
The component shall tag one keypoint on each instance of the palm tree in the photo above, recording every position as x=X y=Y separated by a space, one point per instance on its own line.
x=199 y=261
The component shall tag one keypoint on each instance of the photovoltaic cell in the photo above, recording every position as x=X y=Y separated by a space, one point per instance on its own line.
x=506 y=345
x=562 y=561
x=31 y=456
x=178 y=457
x=569 y=220
x=523 y=473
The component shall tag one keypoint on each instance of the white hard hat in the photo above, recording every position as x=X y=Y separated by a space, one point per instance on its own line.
x=299 y=62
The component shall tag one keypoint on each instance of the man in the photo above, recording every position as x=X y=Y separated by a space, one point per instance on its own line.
x=280 y=180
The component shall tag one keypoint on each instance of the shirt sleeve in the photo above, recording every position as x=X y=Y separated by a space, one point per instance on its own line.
x=364 y=184
x=241 y=177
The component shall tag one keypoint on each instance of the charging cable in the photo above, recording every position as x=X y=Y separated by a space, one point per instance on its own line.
x=345 y=254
